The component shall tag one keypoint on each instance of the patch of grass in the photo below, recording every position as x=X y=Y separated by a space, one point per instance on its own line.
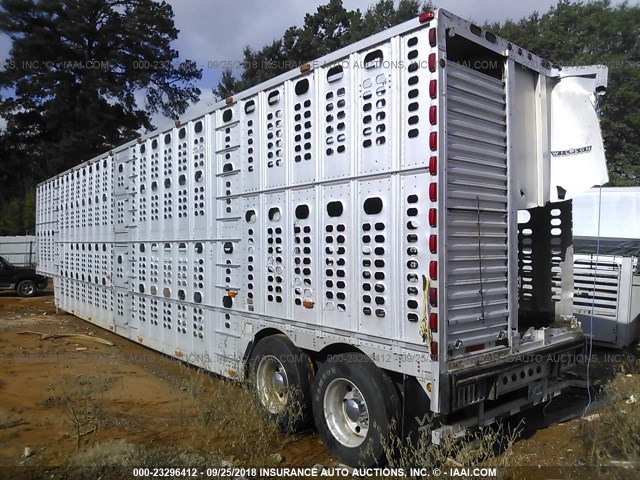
x=488 y=446
x=52 y=402
x=8 y=419
x=613 y=437
x=82 y=397
x=114 y=459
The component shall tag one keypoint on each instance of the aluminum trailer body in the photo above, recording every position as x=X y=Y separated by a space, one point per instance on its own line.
x=365 y=203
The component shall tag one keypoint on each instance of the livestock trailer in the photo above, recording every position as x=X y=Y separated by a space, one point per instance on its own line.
x=345 y=235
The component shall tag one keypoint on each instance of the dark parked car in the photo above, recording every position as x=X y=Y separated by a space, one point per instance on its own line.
x=25 y=281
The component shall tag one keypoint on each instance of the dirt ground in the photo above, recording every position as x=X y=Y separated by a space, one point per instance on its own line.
x=53 y=391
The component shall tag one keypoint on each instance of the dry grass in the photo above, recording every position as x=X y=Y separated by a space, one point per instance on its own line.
x=489 y=446
x=9 y=419
x=613 y=437
x=115 y=459
x=82 y=398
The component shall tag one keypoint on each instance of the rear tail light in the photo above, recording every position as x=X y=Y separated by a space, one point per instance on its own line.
x=432 y=37
x=432 y=62
x=433 y=88
x=433 y=165
x=433 y=217
x=433 y=243
x=426 y=16
x=433 y=270
x=433 y=141
x=433 y=191
x=433 y=349
x=433 y=296
x=433 y=322
x=474 y=348
x=433 y=115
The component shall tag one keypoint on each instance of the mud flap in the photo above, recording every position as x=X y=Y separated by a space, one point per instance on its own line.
x=417 y=418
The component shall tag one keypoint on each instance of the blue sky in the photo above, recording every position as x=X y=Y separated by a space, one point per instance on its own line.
x=217 y=31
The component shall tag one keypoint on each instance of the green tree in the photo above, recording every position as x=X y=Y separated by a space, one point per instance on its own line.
x=330 y=28
x=76 y=71
x=595 y=33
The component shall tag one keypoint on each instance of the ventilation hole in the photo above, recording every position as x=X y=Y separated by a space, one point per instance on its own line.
x=373 y=59
x=227 y=115
x=274 y=214
x=373 y=205
x=334 y=209
x=249 y=107
x=302 y=212
x=302 y=87
x=274 y=97
x=335 y=73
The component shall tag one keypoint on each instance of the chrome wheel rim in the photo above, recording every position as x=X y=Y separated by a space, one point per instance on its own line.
x=346 y=412
x=272 y=384
x=27 y=289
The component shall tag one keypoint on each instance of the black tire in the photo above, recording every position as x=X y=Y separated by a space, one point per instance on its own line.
x=342 y=382
x=27 y=288
x=289 y=405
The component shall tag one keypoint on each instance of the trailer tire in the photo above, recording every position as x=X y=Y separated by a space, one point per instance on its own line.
x=355 y=407
x=281 y=376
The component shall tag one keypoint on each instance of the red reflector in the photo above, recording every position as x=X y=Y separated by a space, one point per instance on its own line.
x=432 y=37
x=432 y=62
x=433 y=191
x=433 y=141
x=474 y=348
x=433 y=349
x=433 y=243
x=433 y=296
x=433 y=165
x=433 y=322
x=433 y=89
x=433 y=115
x=433 y=270
x=426 y=16
x=433 y=217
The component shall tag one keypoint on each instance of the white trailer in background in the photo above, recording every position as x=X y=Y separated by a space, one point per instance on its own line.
x=346 y=234
x=606 y=230
x=19 y=250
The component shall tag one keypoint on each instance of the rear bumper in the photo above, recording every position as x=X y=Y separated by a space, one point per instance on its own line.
x=494 y=413
x=527 y=376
